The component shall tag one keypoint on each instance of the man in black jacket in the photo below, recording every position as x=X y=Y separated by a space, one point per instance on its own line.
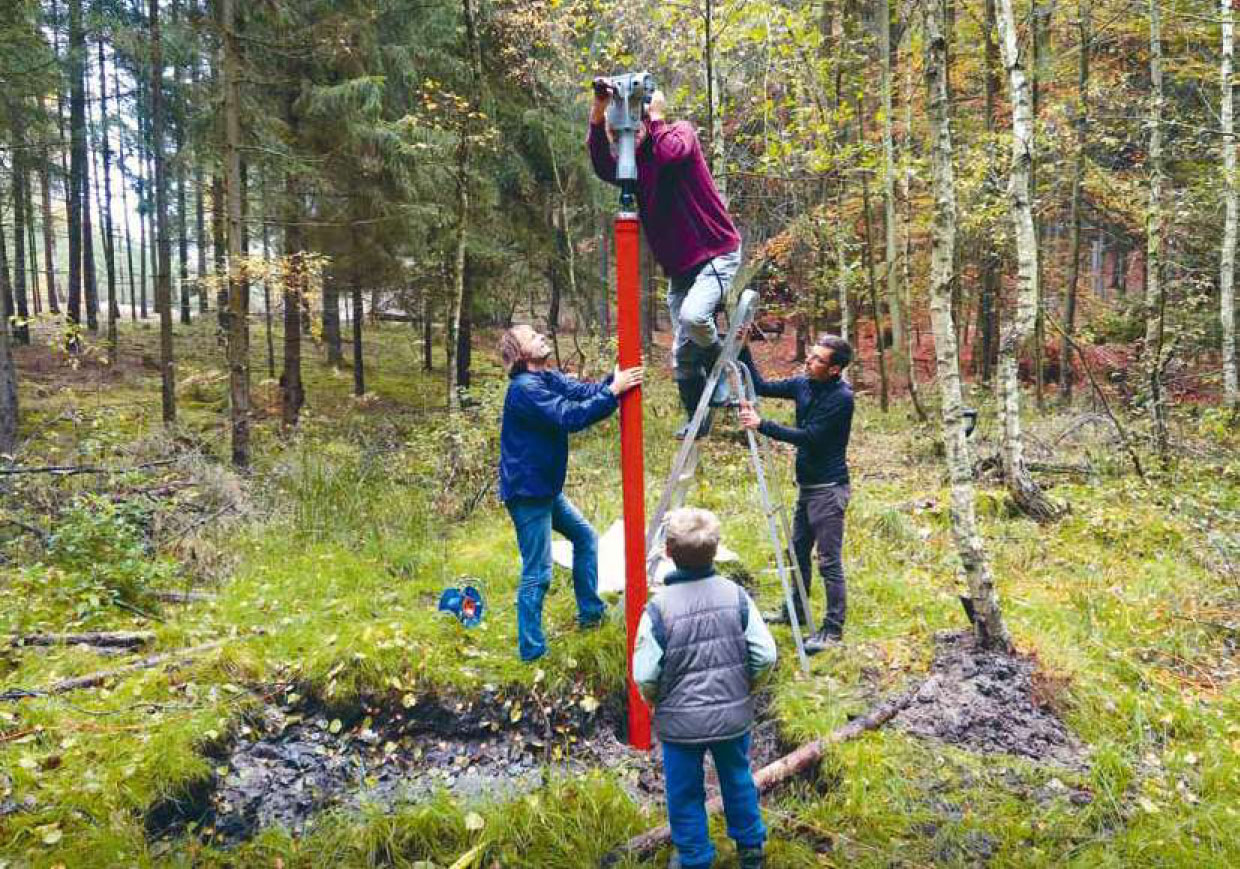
x=824 y=402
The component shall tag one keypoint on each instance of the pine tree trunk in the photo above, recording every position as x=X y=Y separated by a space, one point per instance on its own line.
x=32 y=246
x=116 y=79
x=1155 y=293
x=163 y=235
x=90 y=273
x=1227 y=269
x=463 y=159
x=1025 y=492
x=8 y=381
x=292 y=393
x=238 y=289
x=267 y=317
x=359 y=362
x=21 y=332
x=988 y=622
x=219 y=249
x=331 y=317
x=1078 y=179
x=109 y=236
x=49 y=232
x=77 y=159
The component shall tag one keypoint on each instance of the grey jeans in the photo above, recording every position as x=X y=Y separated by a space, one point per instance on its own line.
x=819 y=522
x=692 y=300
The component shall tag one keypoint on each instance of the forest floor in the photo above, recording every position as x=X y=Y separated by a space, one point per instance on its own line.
x=329 y=716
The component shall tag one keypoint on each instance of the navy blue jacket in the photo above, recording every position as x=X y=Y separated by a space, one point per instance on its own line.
x=540 y=410
x=824 y=423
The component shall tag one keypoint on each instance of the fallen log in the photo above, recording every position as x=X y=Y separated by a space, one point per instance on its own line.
x=776 y=773
x=113 y=639
x=175 y=658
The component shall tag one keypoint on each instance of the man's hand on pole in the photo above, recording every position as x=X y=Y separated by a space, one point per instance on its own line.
x=602 y=96
x=749 y=416
x=623 y=381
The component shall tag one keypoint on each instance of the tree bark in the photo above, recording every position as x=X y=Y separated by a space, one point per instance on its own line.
x=1025 y=492
x=109 y=236
x=331 y=317
x=219 y=248
x=875 y=305
x=163 y=236
x=116 y=82
x=906 y=260
x=463 y=166
x=988 y=622
x=49 y=231
x=267 y=317
x=238 y=286
x=1078 y=179
x=90 y=273
x=1155 y=293
x=292 y=393
x=21 y=331
x=77 y=159
x=895 y=302
x=1227 y=268
x=8 y=378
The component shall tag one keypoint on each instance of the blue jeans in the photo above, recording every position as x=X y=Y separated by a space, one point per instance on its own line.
x=686 y=797
x=692 y=300
x=534 y=519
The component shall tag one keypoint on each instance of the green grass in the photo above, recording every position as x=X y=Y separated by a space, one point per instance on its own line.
x=329 y=575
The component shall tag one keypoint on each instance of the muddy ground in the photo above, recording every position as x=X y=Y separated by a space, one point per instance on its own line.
x=990 y=703
x=291 y=762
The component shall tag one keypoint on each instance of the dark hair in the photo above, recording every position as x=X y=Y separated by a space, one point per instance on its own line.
x=841 y=350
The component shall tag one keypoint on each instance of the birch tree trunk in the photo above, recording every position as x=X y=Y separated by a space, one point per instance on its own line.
x=1155 y=293
x=906 y=183
x=1078 y=178
x=163 y=237
x=1025 y=492
x=988 y=620
x=238 y=287
x=1227 y=270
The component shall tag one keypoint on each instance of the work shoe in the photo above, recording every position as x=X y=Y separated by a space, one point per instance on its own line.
x=823 y=640
x=780 y=617
x=752 y=858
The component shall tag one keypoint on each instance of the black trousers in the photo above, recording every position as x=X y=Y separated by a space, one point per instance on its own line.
x=819 y=522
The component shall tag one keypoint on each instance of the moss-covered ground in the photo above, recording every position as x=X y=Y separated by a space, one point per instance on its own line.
x=326 y=559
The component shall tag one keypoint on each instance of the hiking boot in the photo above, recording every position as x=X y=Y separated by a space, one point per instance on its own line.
x=823 y=640
x=781 y=617
x=752 y=858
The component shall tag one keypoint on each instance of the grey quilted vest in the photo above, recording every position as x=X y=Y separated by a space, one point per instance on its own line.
x=704 y=690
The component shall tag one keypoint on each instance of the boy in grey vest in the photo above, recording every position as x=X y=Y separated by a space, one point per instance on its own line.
x=701 y=644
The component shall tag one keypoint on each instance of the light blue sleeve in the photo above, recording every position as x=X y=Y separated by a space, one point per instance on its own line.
x=648 y=660
x=759 y=644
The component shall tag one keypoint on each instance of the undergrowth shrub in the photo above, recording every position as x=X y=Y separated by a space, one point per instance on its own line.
x=97 y=555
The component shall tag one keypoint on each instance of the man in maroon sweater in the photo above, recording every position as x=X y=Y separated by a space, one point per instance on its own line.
x=688 y=229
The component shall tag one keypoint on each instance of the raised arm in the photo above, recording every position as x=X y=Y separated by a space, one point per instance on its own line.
x=601 y=158
x=553 y=409
x=767 y=388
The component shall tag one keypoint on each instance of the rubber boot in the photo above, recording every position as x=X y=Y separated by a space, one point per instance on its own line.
x=722 y=396
x=690 y=394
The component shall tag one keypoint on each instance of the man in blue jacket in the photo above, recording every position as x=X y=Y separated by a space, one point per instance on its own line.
x=541 y=409
x=824 y=412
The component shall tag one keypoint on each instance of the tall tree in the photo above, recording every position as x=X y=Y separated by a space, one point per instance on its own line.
x=133 y=296
x=295 y=283
x=238 y=289
x=1231 y=196
x=983 y=599
x=109 y=236
x=1078 y=181
x=21 y=332
x=1025 y=492
x=8 y=385
x=895 y=302
x=463 y=167
x=163 y=233
x=49 y=228
x=1155 y=292
x=77 y=157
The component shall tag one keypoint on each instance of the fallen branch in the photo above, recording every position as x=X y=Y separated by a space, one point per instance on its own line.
x=29 y=529
x=777 y=772
x=71 y=470
x=175 y=659
x=114 y=639
x=181 y=596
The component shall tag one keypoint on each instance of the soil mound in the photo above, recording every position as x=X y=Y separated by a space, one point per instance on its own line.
x=986 y=702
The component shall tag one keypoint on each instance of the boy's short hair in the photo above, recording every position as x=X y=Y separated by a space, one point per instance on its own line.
x=692 y=536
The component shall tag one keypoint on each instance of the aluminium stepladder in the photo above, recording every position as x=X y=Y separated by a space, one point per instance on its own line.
x=684 y=468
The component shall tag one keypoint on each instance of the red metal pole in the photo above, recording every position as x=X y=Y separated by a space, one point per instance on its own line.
x=628 y=315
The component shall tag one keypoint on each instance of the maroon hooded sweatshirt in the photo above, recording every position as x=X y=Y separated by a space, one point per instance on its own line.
x=685 y=220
